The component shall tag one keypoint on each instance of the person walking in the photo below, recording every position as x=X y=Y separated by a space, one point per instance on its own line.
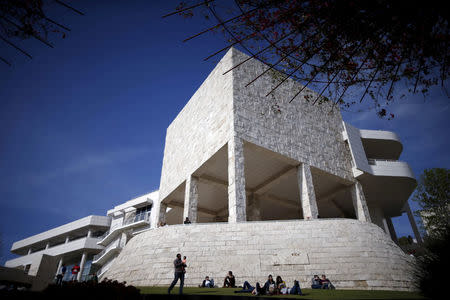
x=180 y=270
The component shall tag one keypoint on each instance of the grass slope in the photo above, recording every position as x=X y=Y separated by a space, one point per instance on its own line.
x=308 y=293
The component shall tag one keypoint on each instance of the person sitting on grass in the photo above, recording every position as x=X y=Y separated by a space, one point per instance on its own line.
x=259 y=290
x=230 y=281
x=247 y=288
x=209 y=283
x=296 y=290
x=270 y=286
x=315 y=282
x=281 y=285
x=326 y=283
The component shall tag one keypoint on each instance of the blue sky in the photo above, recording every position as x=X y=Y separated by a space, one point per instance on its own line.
x=82 y=126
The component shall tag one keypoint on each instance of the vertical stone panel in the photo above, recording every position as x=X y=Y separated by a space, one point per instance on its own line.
x=158 y=214
x=236 y=181
x=385 y=226
x=82 y=262
x=59 y=266
x=191 y=199
x=162 y=212
x=307 y=194
x=413 y=223
x=359 y=202
x=391 y=230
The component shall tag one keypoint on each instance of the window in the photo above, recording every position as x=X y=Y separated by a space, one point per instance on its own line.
x=142 y=213
x=27 y=269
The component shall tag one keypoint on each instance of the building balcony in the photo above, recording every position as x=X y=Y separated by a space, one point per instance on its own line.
x=78 y=245
x=106 y=254
x=57 y=236
x=137 y=221
x=387 y=167
x=380 y=144
x=389 y=184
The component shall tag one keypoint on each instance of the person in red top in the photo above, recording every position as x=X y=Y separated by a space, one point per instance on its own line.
x=75 y=270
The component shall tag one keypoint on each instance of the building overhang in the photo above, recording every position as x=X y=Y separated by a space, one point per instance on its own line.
x=58 y=235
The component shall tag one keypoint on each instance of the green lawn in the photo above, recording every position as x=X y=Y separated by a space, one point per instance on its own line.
x=308 y=293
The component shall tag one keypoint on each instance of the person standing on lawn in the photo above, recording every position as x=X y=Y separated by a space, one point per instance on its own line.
x=180 y=270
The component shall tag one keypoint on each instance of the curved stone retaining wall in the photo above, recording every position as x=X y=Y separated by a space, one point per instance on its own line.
x=353 y=254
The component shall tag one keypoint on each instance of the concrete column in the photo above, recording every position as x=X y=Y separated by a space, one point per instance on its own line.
x=191 y=199
x=123 y=240
x=385 y=226
x=236 y=181
x=359 y=202
x=47 y=246
x=89 y=234
x=253 y=208
x=412 y=221
x=162 y=212
x=154 y=217
x=82 y=262
x=307 y=194
x=29 y=251
x=59 y=266
x=67 y=239
x=391 y=230
x=158 y=214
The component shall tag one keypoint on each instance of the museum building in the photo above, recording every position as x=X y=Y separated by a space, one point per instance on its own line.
x=271 y=187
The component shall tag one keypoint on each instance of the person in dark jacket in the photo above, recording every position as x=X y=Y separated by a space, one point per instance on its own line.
x=230 y=280
x=270 y=285
x=180 y=270
x=296 y=290
x=315 y=282
x=326 y=283
x=60 y=276
x=207 y=282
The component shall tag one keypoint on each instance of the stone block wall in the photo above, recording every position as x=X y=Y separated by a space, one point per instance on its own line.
x=202 y=127
x=299 y=130
x=224 y=107
x=353 y=254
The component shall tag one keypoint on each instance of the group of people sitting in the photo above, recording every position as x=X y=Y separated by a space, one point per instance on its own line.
x=270 y=287
x=229 y=281
x=321 y=283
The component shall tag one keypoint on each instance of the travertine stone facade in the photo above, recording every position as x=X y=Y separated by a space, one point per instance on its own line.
x=236 y=181
x=359 y=202
x=307 y=195
x=202 y=127
x=352 y=253
x=191 y=199
x=224 y=111
x=301 y=135
x=300 y=130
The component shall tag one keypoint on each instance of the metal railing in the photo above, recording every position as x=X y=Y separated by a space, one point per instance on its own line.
x=103 y=252
x=109 y=231
x=373 y=161
x=145 y=216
